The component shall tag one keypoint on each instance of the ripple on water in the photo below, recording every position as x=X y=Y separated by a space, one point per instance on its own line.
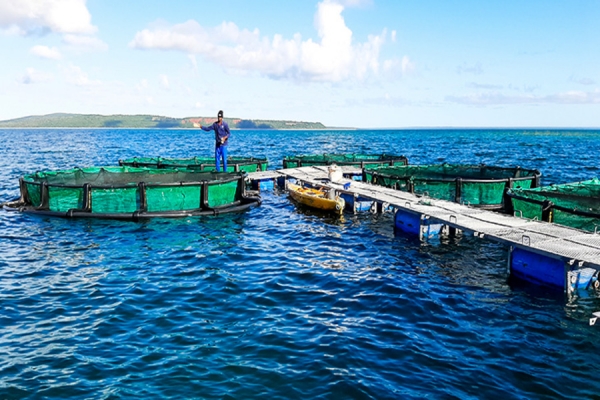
x=282 y=301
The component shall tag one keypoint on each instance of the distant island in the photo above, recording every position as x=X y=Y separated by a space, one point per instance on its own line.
x=61 y=120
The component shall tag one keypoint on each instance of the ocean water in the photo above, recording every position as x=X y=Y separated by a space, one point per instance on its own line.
x=279 y=302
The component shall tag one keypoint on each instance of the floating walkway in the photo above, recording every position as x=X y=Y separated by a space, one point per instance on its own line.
x=538 y=251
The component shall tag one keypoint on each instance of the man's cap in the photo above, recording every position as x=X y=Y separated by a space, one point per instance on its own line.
x=220 y=114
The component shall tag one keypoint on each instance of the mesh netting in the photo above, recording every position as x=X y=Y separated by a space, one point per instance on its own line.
x=60 y=198
x=478 y=185
x=108 y=201
x=221 y=193
x=359 y=160
x=108 y=190
x=199 y=163
x=173 y=198
x=112 y=176
x=574 y=204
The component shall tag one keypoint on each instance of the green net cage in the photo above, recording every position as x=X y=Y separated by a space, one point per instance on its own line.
x=234 y=164
x=132 y=193
x=477 y=185
x=575 y=204
x=367 y=161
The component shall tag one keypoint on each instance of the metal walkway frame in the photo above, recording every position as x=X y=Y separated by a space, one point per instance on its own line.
x=538 y=251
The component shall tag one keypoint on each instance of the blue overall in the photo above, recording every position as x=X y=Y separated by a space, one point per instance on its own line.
x=221 y=137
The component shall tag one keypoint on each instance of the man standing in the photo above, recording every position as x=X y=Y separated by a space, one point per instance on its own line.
x=221 y=137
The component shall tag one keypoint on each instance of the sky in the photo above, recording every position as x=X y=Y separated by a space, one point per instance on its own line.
x=345 y=63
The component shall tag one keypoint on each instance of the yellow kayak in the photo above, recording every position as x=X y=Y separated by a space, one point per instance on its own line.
x=316 y=198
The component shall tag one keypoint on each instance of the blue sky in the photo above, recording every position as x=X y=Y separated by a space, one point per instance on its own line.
x=345 y=63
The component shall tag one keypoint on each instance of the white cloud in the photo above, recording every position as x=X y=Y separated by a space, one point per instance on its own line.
x=575 y=97
x=142 y=85
x=164 y=81
x=582 y=81
x=51 y=53
x=59 y=16
x=569 y=97
x=193 y=61
x=407 y=65
x=334 y=57
x=475 y=85
x=331 y=57
x=32 y=76
x=475 y=69
x=355 y=3
x=12 y=30
x=84 y=42
x=76 y=76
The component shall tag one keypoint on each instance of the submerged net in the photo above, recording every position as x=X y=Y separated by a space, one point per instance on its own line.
x=115 y=190
x=574 y=204
x=478 y=185
x=234 y=164
x=359 y=160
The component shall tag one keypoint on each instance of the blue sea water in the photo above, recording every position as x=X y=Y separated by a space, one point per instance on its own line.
x=278 y=302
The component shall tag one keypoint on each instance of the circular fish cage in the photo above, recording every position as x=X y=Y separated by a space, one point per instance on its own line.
x=481 y=186
x=575 y=204
x=234 y=164
x=131 y=193
x=367 y=161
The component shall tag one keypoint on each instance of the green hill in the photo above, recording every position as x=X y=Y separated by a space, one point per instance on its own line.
x=61 y=120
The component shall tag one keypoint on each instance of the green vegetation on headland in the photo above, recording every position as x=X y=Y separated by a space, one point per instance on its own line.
x=145 y=121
